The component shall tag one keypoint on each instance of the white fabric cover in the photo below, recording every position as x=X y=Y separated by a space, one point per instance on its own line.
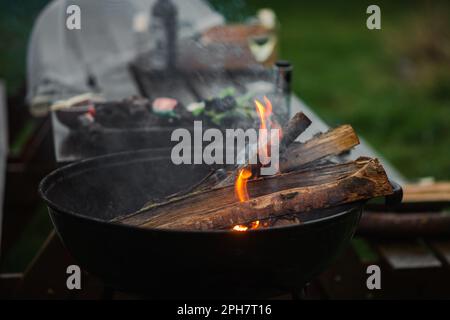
x=60 y=60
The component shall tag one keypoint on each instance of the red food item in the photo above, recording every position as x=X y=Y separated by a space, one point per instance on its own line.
x=91 y=110
x=164 y=105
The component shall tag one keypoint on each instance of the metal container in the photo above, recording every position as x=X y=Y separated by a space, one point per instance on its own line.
x=83 y=197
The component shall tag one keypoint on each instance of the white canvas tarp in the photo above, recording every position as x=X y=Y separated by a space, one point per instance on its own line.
x=61 y=60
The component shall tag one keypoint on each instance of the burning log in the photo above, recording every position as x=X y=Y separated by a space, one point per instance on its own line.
x=212 y=205
x=184 y=205
x=368 y=182
x=274 y=196
x=297 y=155
x=220 y=178
x=201 y=196
x=294 y=128
x=296 y=125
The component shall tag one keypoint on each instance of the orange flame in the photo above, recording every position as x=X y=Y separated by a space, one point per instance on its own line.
x=265 y=114
x=241 y=228
x=268 y=106
x=241 y=184
x=255 y=224
x=262 y=113
x=240 y=189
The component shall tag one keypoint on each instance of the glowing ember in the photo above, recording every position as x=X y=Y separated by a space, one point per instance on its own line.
x=255 y=224
x=240 y=228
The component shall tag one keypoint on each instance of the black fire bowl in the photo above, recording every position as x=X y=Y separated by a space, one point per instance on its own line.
x=82 y=198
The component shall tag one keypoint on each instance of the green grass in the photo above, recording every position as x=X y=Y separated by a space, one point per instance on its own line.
x=350 y=74
x=364 y=251
x=23 y=136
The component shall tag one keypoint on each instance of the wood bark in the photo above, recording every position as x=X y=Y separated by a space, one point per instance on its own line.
x=184 y=205
x=204 y=204
x=368 y=182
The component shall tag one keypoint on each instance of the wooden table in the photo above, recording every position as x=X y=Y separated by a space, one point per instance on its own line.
x=410 y=266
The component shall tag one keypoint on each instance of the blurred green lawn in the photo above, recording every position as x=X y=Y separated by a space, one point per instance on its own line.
x=392 y=85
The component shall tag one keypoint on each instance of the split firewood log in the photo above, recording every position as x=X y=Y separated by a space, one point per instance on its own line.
x=368 y=182
x=183 y=205
x=296 y=155
x=332 y=142
x=207 y=203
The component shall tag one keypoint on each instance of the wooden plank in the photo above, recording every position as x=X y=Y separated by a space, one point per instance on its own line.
x=404 y=224
x=8 y=283
x=408 y=255
x=419 y=275
x=3 y=151
x=437 y=187
x=426 y=197
x=433 y=192
x=442 y=250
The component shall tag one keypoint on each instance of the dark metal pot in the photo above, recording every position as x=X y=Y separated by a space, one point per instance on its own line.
x=83 y=196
